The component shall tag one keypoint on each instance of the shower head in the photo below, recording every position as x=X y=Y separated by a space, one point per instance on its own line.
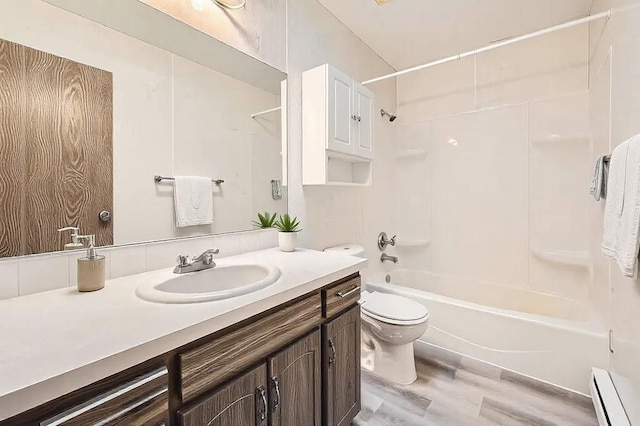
x=385 y=113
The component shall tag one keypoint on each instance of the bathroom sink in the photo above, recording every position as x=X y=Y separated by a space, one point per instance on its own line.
x=221 y=282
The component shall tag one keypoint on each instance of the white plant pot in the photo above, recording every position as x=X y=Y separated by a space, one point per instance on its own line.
x=287 y=241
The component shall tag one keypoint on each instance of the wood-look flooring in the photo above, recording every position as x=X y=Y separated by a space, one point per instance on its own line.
x=459 y=391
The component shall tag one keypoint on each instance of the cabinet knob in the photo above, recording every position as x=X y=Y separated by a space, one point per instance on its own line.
x=354 y=117
x=104 y=216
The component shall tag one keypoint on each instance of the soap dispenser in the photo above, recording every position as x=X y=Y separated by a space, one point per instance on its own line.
x=91 y=271
x=75 y=244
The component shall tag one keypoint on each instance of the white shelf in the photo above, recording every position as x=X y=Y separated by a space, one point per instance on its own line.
x=411 y=153
x=404 y=242
x=559 y=139
x=329 y=183
x=579 y=259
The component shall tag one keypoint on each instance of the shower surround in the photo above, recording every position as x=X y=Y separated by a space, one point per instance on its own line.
x=493 y=168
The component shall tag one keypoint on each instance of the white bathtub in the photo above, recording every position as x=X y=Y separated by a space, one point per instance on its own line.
x=551 y=338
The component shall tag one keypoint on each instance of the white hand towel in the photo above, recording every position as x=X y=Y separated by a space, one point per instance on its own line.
x=597 y=180
x=621 y=238
x=193 y=198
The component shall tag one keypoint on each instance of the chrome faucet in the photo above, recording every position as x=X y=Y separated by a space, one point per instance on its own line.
x=384 y=241
x=384 y=257
x=188 y=264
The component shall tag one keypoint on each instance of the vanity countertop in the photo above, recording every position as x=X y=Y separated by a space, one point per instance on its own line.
x=56 y=342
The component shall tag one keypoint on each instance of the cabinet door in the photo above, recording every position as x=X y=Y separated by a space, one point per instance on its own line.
x=363 y=129
x=243 y=402
x=340 y=111
x=341 y=346
x=295 y=384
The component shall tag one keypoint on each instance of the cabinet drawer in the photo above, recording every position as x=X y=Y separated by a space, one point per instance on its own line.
x=141 y=401
x=209 y=365
x=340 y=296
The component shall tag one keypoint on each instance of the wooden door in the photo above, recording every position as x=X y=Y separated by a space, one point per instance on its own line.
x=13 y=173
x=56 y=137
x=295 y=384
x=341 y=379
x=340 y=110
x=363 y=130
x=242 y=402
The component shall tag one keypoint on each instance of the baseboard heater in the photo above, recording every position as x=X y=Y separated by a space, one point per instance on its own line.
x=606 y=401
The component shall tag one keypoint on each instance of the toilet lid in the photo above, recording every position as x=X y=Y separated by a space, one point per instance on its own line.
x=396 y=309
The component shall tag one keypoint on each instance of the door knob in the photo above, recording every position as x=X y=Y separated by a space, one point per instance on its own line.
x=104 y=216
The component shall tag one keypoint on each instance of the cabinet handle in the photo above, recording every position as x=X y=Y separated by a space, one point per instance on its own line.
x=332 y=359
x=262 y=394
x=359 y=118
x=276 y=388
x=136 y=405
x=348 y=291
x=104 y=398
x=354 y=117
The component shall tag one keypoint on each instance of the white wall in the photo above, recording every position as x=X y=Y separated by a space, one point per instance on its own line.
x=615 y=117
x=335 y=215
x=507 y=166
x=171 y=117
x=259 y=29
x=143 y=111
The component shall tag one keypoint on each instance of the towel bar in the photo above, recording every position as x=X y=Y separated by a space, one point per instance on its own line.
x=158 y=179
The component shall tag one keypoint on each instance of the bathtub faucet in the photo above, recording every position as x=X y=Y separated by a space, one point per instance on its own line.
x=384 y=241
x=384 y=257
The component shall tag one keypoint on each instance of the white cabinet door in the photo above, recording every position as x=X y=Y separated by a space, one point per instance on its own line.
x=363 y=128
x=340 y=109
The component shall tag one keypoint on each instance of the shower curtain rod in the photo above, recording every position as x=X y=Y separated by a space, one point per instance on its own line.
x=266 y=112
x=602 y=15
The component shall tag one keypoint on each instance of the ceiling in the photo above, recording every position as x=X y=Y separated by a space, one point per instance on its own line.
x=411 y=32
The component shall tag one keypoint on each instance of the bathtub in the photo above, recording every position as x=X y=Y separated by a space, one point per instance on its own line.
x=547 y=337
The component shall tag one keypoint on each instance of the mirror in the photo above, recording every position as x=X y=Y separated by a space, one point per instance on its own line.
x=93 y=116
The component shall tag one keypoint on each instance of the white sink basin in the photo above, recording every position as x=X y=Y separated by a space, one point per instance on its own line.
x=221 y=282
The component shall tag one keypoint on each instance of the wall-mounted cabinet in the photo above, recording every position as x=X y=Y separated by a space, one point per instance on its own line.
x=337 y=128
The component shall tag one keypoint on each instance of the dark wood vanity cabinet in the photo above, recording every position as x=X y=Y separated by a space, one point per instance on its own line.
x=297 y=364
x=313 y=381
x=285 y=390
x=341 y=379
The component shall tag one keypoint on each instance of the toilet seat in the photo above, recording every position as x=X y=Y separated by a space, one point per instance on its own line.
x=393 y=309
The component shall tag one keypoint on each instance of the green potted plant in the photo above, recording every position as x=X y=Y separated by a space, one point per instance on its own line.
x=265 y=221
x=288 y=229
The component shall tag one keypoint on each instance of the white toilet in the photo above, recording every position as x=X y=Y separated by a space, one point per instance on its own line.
x=390 y=325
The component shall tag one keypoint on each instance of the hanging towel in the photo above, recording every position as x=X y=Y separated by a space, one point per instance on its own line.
x=597 y=181
x=621 y=238
x=193 y=198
